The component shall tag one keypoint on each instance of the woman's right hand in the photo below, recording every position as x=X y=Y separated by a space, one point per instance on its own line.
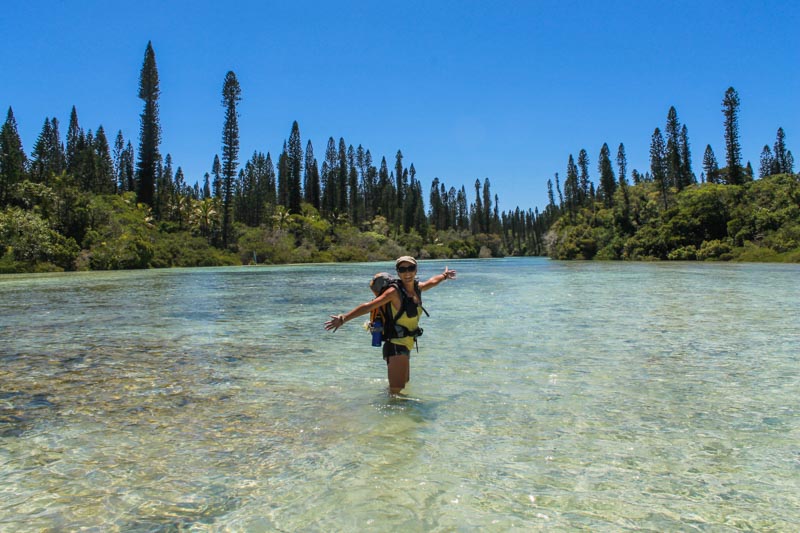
x=335 y=322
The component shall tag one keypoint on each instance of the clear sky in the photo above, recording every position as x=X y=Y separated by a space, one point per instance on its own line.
x=465 y=89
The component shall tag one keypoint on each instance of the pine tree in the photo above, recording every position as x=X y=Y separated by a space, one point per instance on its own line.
x=436 y=208
x=372 y=194
x=74 y=135
x=163 y=191
x=106 y=181
x=119 y=149
x=283 y=176
x=658 y=164
x=341 y=177
x=733 y=151
x=231 y=96
x=461 y=215
x=206 y=186
x=558 y=190
x=270 y=182
x=622 y=163
x=311 y=185
x=608 y=182
x=583 y=169
x=710 y=166
x=352 y=186
x=329 y=179
x=12 y=158
x=295 y=168
x=767 y=163
x=150 y=129
x=41 y=165
x=673 y=155
x=477 y=212
x=216 y=171
x=780 y=162
x=687 y=176
x=487 y=206
x=386 y=192
x=573 y=193
x=398 y=175
x=551 y=198
x=180 y=192
x=85 y=165
x=128 y=172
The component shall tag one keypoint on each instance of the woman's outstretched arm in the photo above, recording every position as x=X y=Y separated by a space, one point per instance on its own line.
x=437 y=279
x=338 y=321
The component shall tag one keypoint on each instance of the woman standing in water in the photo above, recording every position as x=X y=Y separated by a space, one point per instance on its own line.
x=406 y=307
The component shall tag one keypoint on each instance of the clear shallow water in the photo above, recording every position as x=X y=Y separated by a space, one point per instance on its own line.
x=546 y=395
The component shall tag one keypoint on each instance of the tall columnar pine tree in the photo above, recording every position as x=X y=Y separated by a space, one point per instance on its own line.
x=311 y=185
x=780 y=162
x=231 y=96
x=573 y=193
x=270 y=181
x=119 y=149
x=74 y=136
x=355 y=208
x=341 y=177
x=295 y=168
x=48 y=158
x=149 y=129
x=216 y=184
x=283 y=176
x=608 y=182
x=398 y=176
x=477 y=211
x=658 y=164
x=687 y=176
x=163 y=190
x=710 y=166
x=733 y=151
x=105 y=178
x=12 y=158
x=558 y=190
x=622 y=163
x=461 y=204
x=128 y=165
x=329 y=171
x=583 y=170
x=673 y=162
x=258 y=190
x=487 y=206
x=385 y=190
x=767 y=162
x=436 y=209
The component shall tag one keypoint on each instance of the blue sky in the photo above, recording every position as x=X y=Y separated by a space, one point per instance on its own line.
x=465 y=89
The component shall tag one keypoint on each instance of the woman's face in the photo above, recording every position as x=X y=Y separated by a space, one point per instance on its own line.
x=406 y=271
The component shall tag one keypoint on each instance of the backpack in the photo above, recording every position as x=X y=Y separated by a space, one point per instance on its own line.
x=390 y=329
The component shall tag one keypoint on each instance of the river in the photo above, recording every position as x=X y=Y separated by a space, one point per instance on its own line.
x=545 y=396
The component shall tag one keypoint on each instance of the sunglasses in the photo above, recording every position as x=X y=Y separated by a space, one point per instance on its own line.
x=403 y=270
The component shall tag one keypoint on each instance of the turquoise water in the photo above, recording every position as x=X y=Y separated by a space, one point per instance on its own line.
x=545 y=396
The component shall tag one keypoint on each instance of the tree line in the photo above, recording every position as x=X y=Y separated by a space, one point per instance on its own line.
x=348 y=188
x=668 y=213
x=87 y=204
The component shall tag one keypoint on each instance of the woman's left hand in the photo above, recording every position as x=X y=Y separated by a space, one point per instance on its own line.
x=449 y=274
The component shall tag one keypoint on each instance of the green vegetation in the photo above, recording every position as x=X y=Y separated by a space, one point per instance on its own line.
x=667 y=215
x=756 y=221
x=84 y=206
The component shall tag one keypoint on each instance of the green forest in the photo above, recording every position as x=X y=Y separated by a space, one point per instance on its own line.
x=84 y=202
